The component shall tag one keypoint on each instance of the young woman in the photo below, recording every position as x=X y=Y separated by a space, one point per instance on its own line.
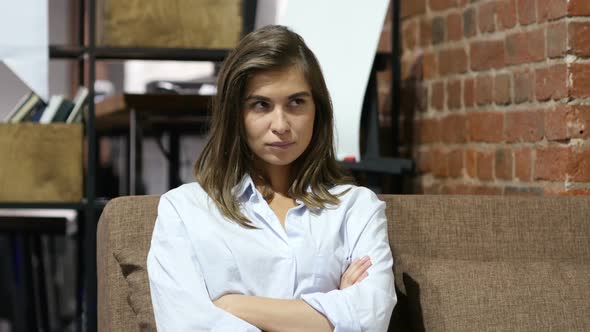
x=271 y=236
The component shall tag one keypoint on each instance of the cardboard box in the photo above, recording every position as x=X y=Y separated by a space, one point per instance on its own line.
x=41 y=162
x=169 y=23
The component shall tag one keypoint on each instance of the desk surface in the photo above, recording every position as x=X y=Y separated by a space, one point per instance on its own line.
x=154 y=111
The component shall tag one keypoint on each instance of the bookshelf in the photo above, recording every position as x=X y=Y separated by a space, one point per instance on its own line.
x=87 y=52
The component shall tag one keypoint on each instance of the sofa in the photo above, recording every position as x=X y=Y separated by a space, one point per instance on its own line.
x=462 y=263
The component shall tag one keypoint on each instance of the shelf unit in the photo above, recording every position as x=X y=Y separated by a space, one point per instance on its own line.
x=90 y=53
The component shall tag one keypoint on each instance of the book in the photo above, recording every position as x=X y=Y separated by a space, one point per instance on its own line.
x=79 y=101
x=27 y=106
x=63 y=111
x=20 y=104
x=52 y=106
x=36 y=112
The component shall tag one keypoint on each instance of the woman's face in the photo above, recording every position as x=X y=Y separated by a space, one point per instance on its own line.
x=279 y=113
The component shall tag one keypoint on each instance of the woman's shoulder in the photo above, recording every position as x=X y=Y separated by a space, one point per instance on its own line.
x=351 y=195
x=187 y=195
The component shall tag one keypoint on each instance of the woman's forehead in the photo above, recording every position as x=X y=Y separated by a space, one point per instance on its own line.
x=277 y=81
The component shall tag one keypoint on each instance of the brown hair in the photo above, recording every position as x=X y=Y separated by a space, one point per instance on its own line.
x=227 y=157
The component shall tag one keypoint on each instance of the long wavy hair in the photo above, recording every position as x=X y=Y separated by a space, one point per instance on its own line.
x=226 y=157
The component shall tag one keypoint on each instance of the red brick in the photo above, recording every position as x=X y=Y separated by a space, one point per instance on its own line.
x=557 y=39
x=429 y=66
x=440 y=165
x=484 y=89
x=487 y=54
x=455 y=160
x=527 y=191
x=523 y=164
x=437 y=95
x=469 y=92
x=410 y=34
x=486 y=190
x=469 y=22
x=502 y=89
x=523 y=86
x=567 y=121
x=580 y=80
x=503 y=164
x=524 y=126
x=384 y=41
x=454 y=94
x=579 y=166
x=526 y=12
x=438 y=30
x=551 y=83
x=453 y=128
x=506 y=14
x=454 y=27
x=552 y=163
x=412 y=7
x=428 y=131
x=424 y=161
x=388 y=15
x=485 y=166
x=425 y=32
x=471 y=163
x=548 y=10
x=486 y=18
x=441 y=4
x=579 y=38
x=525 y=47
x=578 y=7
x=452 y=61
x=486 y=127
x=567 y=192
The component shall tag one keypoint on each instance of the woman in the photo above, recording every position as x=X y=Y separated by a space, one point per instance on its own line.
x=271 y=236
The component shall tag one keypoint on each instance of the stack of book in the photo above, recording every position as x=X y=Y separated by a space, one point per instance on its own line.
x=31 y=108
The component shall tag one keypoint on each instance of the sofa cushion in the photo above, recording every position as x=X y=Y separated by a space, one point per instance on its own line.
x=461 y=295
x=134 y=269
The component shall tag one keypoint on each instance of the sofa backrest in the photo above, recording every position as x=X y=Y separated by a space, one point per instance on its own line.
x=490 y=227
x=126 y=224
x=475 y=228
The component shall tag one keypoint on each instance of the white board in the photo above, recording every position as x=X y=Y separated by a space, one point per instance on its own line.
x=344 y=35
x=24 y=35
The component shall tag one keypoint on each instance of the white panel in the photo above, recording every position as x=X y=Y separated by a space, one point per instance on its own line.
x=344 y=35
x=24 y=42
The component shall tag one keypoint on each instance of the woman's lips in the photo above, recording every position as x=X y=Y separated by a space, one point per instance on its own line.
x=280 y=145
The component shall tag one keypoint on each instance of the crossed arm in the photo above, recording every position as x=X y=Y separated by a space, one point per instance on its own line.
x=287 y=315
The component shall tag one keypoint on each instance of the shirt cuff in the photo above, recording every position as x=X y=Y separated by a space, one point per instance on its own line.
x=335 y=307
x=231 y=323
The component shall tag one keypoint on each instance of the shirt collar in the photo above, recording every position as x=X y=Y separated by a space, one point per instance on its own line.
x=244 y=187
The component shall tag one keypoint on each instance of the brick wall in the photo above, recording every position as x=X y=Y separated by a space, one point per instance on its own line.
x=495 y=96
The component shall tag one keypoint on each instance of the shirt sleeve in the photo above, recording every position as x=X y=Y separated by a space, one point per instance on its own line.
x=178 y=290
x=367 y=305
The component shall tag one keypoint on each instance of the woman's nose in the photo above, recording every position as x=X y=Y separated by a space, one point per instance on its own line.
x=280 y=123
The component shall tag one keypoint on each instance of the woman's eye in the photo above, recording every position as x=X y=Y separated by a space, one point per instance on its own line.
x=259 y=105
x=297 y=102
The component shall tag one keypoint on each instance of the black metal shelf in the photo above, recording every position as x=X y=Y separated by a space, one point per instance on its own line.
x=98 y=204
x=146 y=53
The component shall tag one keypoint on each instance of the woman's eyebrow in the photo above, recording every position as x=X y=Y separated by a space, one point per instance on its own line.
x=293 y=96
x=300 y=94
x=257 y=97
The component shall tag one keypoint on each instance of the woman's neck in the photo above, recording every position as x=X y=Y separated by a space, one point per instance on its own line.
x=278 y=178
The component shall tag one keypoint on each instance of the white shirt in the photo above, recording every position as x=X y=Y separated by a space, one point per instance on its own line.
x=197 y=255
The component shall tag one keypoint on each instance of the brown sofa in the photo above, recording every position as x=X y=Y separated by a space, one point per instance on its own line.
x=462 y=263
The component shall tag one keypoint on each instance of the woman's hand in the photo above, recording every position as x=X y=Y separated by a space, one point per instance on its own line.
x=356 y=271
